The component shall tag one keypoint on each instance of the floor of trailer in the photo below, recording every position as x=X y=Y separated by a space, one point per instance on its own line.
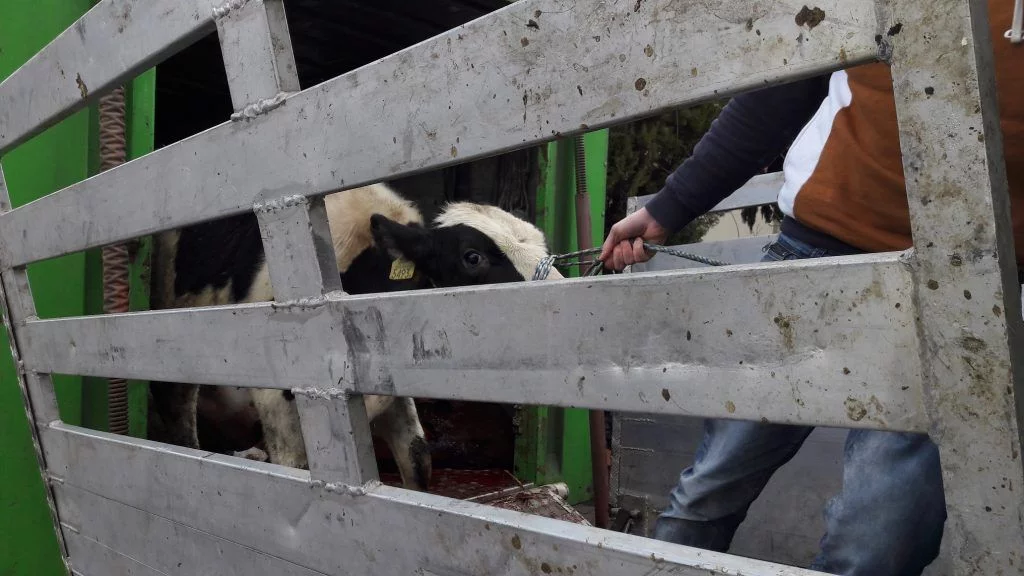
x=496 y=487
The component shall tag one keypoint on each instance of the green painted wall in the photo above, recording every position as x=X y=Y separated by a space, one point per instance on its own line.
x=59 y=157
x=52 y=160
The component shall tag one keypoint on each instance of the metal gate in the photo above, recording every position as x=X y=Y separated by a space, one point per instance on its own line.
x=920 y=341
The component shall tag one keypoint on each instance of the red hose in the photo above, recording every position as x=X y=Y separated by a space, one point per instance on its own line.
x=113 y=152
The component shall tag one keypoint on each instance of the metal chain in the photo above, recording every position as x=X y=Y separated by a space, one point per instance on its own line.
x=544 y=266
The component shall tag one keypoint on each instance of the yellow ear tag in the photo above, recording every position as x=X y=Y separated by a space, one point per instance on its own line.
x=402 y=269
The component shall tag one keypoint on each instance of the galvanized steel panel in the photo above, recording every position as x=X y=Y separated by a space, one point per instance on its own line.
x=113 y=42
x=525 y=74
x=159 y=543
x=37 y=392
x=302 y=265
x=376 y=529
x=828 y=341
x=17 y=305
x=94 y=559
x=836 y=339
x=966 y=273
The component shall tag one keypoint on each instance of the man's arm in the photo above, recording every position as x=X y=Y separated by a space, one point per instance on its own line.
x=751 y=130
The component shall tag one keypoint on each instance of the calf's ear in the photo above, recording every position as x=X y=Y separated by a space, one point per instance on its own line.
x=410 y=241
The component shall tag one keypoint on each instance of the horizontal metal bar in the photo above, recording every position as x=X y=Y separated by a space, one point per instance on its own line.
x=758 y=191
x=376 y=529
x=113 y=42
x=827 y=341
x=159 y=543
x=16 y=306
x=522 y=75
x=90 y=558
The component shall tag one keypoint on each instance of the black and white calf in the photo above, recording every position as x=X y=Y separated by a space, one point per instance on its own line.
x=222 y=262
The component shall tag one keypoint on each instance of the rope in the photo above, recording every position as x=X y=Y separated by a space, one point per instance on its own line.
x=544 y=266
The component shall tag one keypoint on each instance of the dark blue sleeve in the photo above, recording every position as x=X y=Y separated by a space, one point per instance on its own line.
x=752 y=129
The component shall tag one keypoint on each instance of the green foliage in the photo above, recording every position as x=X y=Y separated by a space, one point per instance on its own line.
x=642 y=154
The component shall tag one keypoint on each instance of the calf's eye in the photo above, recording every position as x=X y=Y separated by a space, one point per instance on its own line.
x=472 y=258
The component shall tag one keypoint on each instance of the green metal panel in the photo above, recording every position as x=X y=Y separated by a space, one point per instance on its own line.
x=141 y=129
x=52 y=160
x=554 y=444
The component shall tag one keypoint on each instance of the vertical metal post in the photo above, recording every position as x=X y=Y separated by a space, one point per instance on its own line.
x=257 y=52
x=970 y=315
x=300 y=256
x=141 y=120
x=37 y=390
x=261 y=71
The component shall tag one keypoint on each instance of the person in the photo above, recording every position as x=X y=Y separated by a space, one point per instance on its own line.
x=843 y=194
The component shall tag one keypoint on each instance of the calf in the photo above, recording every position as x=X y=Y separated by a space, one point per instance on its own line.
x=222 y=262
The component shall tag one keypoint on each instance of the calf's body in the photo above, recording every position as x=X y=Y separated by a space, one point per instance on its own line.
x=222 y=262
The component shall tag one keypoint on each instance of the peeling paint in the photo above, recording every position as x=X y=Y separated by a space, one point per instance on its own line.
x=82 y=88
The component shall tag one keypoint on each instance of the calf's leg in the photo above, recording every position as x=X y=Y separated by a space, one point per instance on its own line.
x=394 y=420
x=282 y=433
x=399 y=426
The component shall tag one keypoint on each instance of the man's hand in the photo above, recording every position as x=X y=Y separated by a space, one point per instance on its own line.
x=625 y=242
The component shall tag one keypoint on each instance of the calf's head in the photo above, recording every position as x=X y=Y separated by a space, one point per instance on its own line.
x=468 y=244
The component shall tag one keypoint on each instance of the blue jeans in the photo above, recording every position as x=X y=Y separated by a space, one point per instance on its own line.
x=886 y=521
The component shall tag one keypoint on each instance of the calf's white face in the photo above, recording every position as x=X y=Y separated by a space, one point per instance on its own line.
x=469 y=244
